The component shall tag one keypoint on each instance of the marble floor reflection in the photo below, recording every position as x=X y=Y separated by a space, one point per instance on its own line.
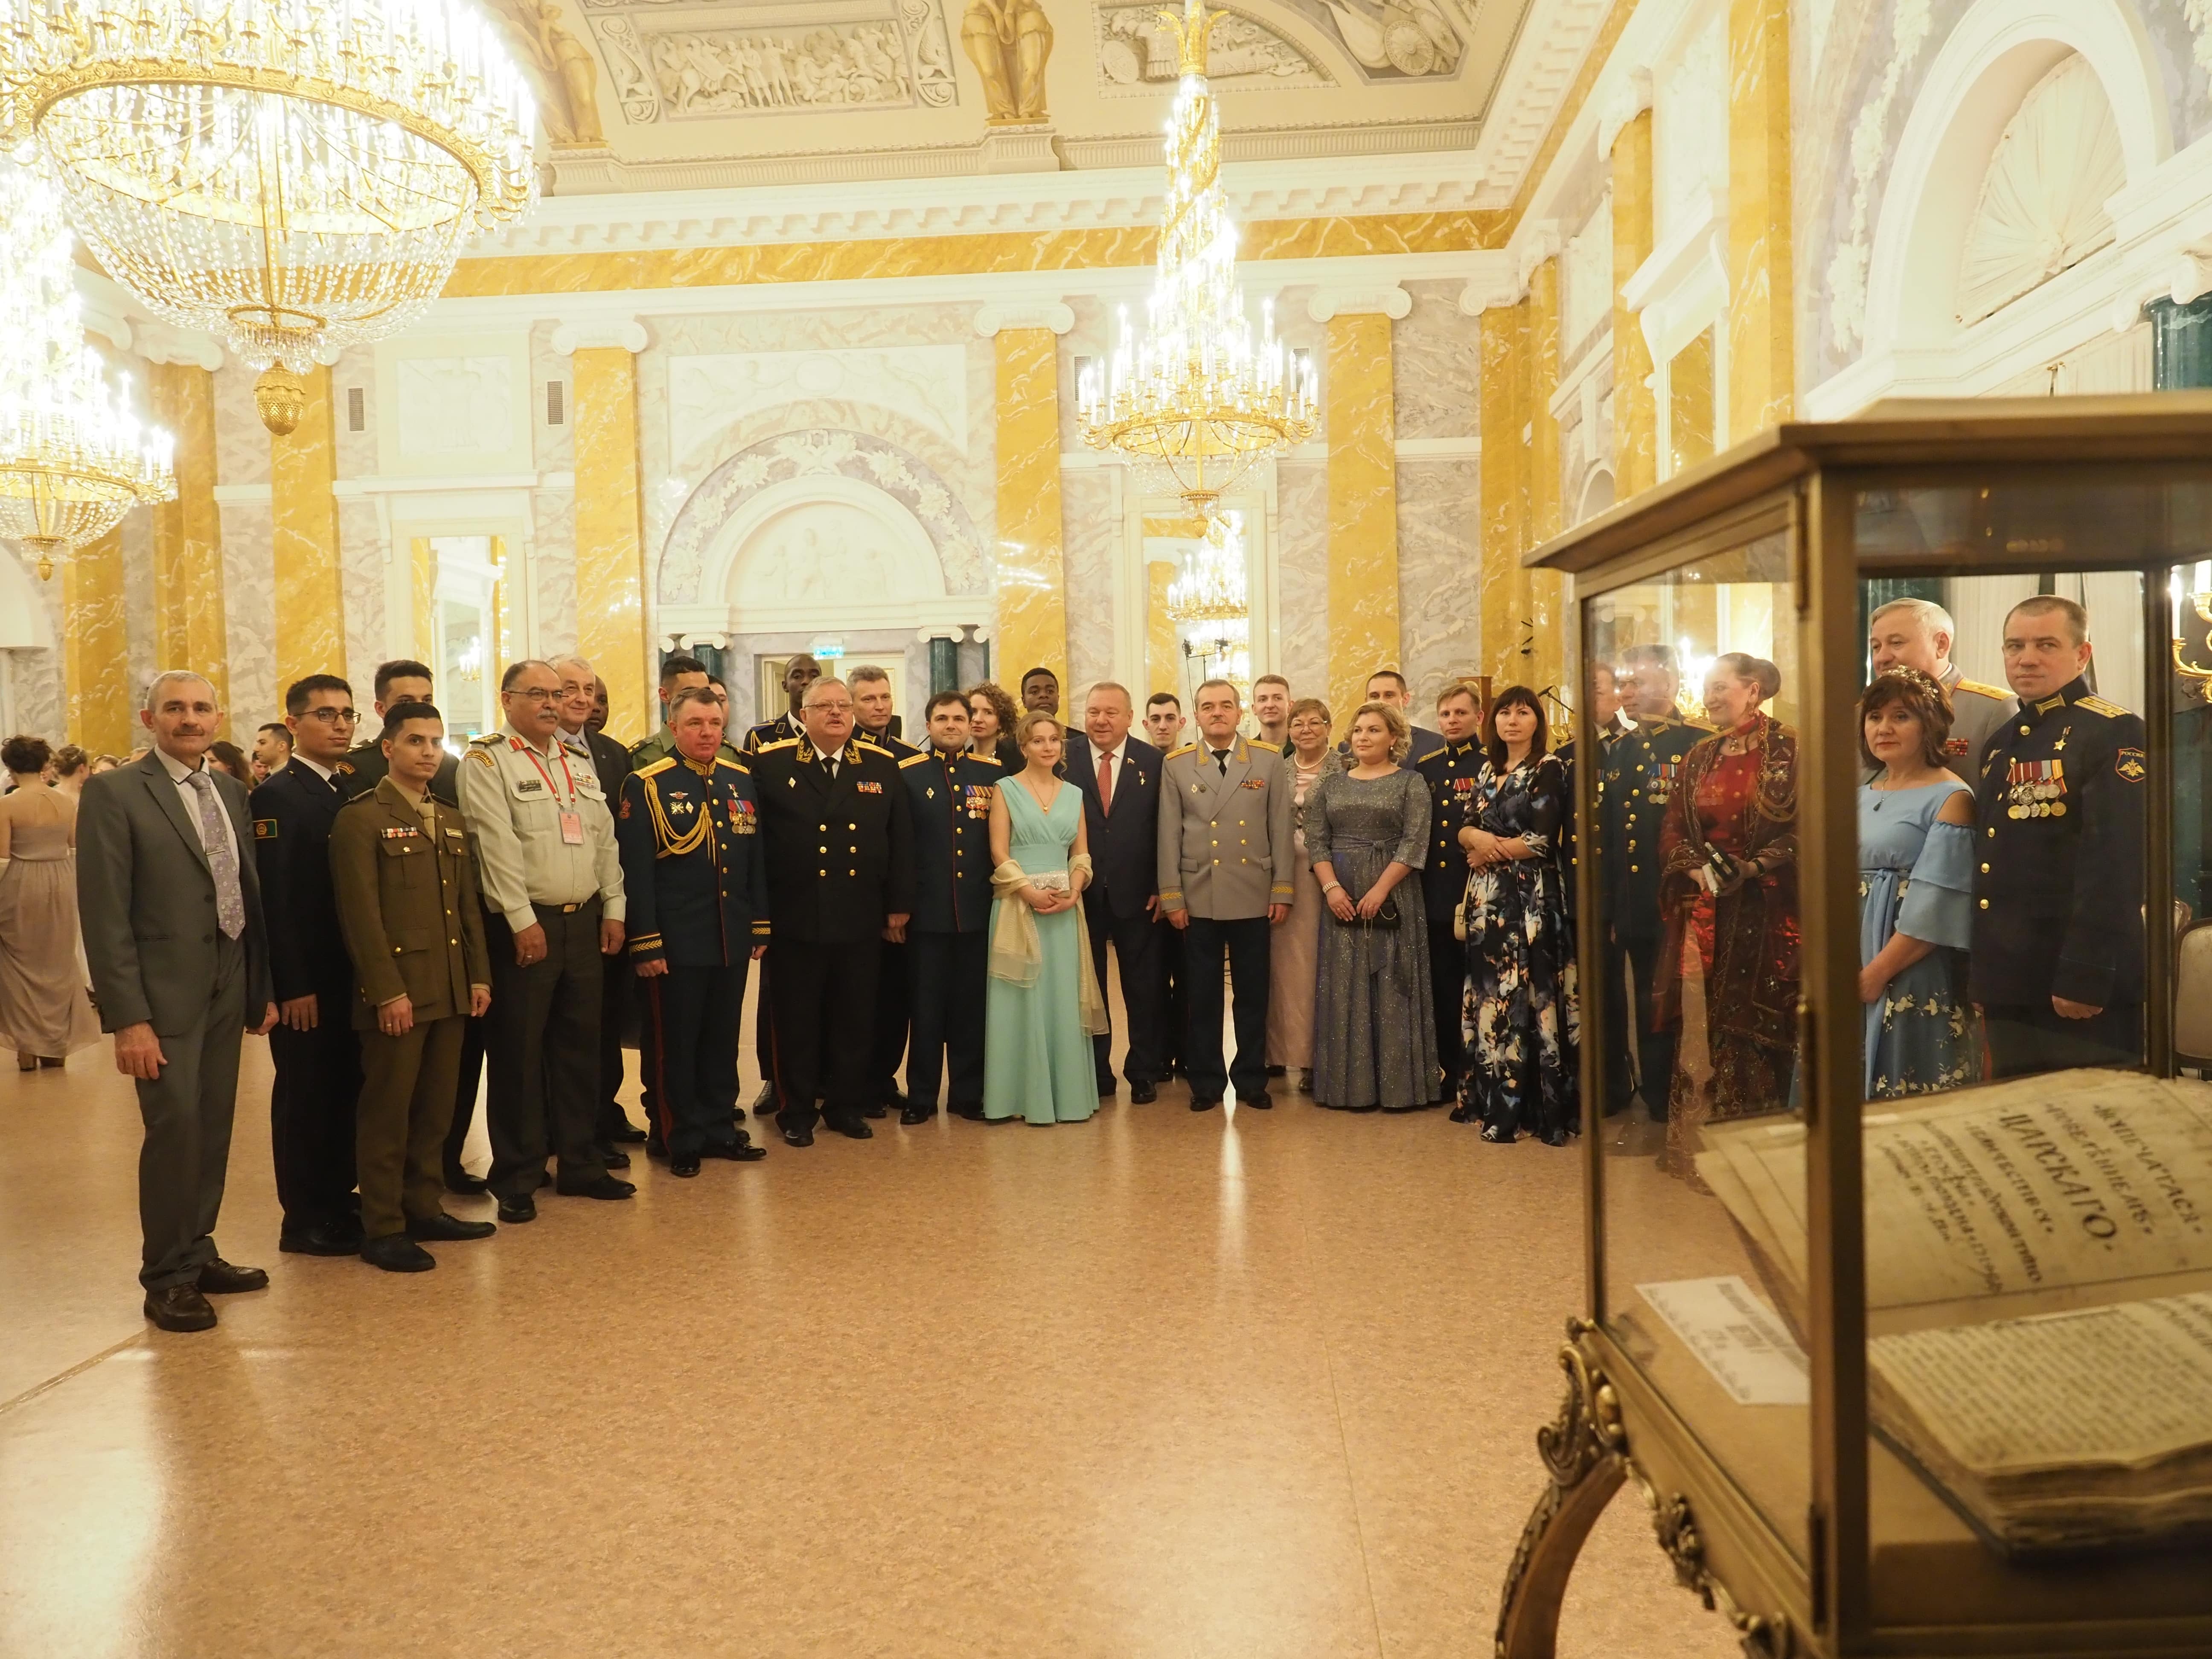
x=1244 y=1384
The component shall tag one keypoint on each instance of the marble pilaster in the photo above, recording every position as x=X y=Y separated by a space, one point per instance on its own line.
x=249 y=615
x=1635 y=409
x=1363 y=504
x=1094 y=537
x=423 y=563
x=309 y=594
x=1163 y=672
x=1439 y=575
x=190 y=629
x=553 y=566
x=1505 y=460
x=96 y=647
x=1543 y=590
x=609 y=532
x=1690 y=405
x=1762 y=372
x=1031 y=565
x=1302 y=581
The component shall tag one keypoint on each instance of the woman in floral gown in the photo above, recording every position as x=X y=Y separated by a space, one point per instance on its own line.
x=1521 y=1019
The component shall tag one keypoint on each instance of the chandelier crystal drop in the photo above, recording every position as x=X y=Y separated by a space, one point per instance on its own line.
x=74 y=458
x=1198 y=393
x=292 y=176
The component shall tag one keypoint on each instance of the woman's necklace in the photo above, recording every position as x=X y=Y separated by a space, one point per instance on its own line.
x=1044 y=802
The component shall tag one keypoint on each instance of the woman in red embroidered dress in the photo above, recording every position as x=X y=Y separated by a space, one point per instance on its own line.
x=1728 y=891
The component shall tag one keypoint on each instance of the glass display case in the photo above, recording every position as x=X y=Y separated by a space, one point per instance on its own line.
x=1897 y=1008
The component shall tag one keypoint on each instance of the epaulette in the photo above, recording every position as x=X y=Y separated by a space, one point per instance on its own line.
x=652 y=767
x=873 y=749
x=912 y=760
x=1432 y=755
x=987 y=760
x=2099 y=705
x=1980 y=690
x=1701 y=725
x=770 y=747
x=344 y=766
x=734 y=765
x=486 y=739
x=1187 y=749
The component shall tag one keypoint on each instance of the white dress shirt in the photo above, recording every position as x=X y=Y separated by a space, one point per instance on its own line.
x=179 y=774
x=320 y=770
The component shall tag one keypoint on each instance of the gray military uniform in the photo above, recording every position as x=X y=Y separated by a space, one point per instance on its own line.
x=1224 y=839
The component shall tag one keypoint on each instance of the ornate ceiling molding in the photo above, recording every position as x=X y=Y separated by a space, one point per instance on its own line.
x=1554 y=37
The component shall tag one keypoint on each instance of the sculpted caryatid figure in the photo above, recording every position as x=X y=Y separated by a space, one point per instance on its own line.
x=1009 y=42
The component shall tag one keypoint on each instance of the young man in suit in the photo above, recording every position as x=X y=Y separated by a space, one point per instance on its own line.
x=1118 y=776
x=1388 y=686
x=1224 y=875
x=316 y=1054
x=180 y=960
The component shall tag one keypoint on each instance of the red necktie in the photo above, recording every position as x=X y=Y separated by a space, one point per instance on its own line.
x=1106 y=784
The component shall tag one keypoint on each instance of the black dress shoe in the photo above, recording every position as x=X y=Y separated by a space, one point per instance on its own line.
x=179 y=1308
x=613 y=1159
x=798 y=1137
x=1465 y=1114
x=1198 y=1105
x=458 y=1180
x=396 y=1253
x=1108 y=1088
x=324 y=1239
x=443 y=1229
x=970 y=1110
x=1261 y=1102
x=516 y=1210
x=219 y=1278
x=683 y=1165
x=741 y=1151
x=606 y=1186
x=657 y=1149
x=854 y=1128
x=875 y=1111
x=913 y=1114
x=766 y=1101
x=1142 y=1094
x=628 y=1135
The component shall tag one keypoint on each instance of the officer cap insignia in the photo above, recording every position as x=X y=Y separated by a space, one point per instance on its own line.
x=265 y=828
x=2129 y=764
x=2099 y=705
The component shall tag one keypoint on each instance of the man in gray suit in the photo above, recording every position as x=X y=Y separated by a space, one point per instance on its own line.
x=172 y=931
x=1225 y=862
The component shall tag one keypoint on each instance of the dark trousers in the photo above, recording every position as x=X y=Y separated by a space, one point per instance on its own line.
x=1174 y=1007
x=2031 y=1037
x=614 y=1017
x=1654 y=1048
x=187 y=1112
x=1245 y=942
x=894 y=1011
x=468 y=1072
x=692 y=1019
x=1447 y=997
x=825 y=1006
x=311 y=1107
x=1136 y=941
x=544 y=1046
x=765 y=1024
x=406 y=1103
x=950 y=984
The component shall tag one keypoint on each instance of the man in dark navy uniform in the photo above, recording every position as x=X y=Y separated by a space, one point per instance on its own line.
x=1119 y=778
x=876 y=722
x=1605 y=715
x=678 y=672
x=316 y=1052
x=949 y=793
x=840 y=884
x=688 y=828
x=801 y=671
x=2058 y=889
x=1452 y=770
x=1638 y=779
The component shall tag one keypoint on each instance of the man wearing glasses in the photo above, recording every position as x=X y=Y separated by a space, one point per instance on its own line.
x=317 y=1055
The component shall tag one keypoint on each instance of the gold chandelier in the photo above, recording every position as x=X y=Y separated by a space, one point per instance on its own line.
x=1197 y=393
x=292 y=176
x=73 y=457
x=1209 y=588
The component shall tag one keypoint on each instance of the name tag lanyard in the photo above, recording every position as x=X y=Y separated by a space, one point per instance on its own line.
x=572 y=821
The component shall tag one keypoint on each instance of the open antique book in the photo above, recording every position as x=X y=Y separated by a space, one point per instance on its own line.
x=2038 y=1259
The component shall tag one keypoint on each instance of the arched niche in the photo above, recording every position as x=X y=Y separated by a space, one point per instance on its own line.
x=815 y=549
x=1597 y=494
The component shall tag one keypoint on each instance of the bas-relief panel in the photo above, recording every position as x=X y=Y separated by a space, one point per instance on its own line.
x=553 y=564
x=1435 y=355
x=1302 y=572
x=361 y=582
x=881 y=56
x=1439 y=573
x=927 y=386
x=1091 y=541
x=827 y=553
x=1137 y=54
x=453 y=409
x=250 y=613
x=241 y=442
x=141 y=626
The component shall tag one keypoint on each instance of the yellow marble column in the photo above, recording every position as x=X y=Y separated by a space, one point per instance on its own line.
x=425 y=591
x=189 y=628
x=1162 y=662
x=96 y=647
x=1635 y=409
x=1543 y=591
x=1690 y=405
x=1762 y=358
x=1032 y=568
x=1362 y=507
x=309 y=594
x=1503 y=487
x=610 y=533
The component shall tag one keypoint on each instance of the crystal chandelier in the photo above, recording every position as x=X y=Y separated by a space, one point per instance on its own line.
x=292 y=176
x=73 y=457
x=1208 y=602
x=1197 y=393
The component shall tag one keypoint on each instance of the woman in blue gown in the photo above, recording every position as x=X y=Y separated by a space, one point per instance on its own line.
x=1916 y=886
x=1042 y=1004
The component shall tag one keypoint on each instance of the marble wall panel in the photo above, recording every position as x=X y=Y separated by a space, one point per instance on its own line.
x=555 y=447
x=1436 y=356
x=1362 y=521
x=553 y=564
x=35 y=691
x=1029 y=550
x=1093 y=546
x=241 y=442
x=1439 y=573
x=363 y=555
x=611 y=618
x=1302 y=575
x=356 y=451
x=250 y=613
x=140 y=619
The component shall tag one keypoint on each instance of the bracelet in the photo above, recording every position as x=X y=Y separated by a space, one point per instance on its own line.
x=1333 y=887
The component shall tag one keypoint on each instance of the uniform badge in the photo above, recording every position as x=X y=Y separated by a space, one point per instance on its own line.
x=265 y=828
x=2129 y=765
x=929 y=795
x=1955 y=745
x=530 y=786
x=624 y=813
x=869 y=786
x=398 y=832
x=1253 y=783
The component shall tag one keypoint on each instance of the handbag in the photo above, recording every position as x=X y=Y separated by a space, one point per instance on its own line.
x=1386 y=916
x=1459 y=921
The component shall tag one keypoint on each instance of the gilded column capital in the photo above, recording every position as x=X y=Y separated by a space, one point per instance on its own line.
x=1360 y=300
x=1000 y=315
x=1630 y=97
x=626 y=333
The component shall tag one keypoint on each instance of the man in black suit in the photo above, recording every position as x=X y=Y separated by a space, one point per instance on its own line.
x=315 y=1050
x=582 y=692
x=949 y=795
x=180 y=960
x=1120 y=778
x=1388 y=686
x=839 y=839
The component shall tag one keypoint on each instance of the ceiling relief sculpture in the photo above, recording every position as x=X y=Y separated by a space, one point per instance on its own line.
x=1396 y=40
x=1137 y=53
x=560 y=67
x=1008 y=42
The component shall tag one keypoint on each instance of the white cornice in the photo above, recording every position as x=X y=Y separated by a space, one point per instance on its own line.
x=621 y=333
x=113 y=312
x=1054 y=314
x=1373 y=298
x=1548 y=51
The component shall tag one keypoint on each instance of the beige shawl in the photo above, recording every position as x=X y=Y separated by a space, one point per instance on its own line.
x=1017 y=954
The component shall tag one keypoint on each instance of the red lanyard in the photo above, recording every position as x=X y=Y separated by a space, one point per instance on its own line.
x=544 y=772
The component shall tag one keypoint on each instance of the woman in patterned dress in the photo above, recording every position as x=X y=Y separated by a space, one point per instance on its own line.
x=1521 y=1018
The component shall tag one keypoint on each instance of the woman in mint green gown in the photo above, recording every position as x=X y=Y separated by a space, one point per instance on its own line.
x=1042 y=1003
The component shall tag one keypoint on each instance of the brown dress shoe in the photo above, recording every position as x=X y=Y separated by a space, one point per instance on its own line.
x=219 y=1278
x=179 y=1308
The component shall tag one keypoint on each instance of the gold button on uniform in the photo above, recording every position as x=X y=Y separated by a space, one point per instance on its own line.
x=1985 y=869
x=1986 y=904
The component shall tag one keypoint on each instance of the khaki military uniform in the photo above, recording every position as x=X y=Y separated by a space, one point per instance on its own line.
x=405 y=879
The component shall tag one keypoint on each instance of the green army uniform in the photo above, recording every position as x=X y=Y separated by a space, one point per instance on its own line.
x=661 y=746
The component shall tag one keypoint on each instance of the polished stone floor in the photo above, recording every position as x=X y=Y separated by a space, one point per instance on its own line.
x=1239 y=1384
